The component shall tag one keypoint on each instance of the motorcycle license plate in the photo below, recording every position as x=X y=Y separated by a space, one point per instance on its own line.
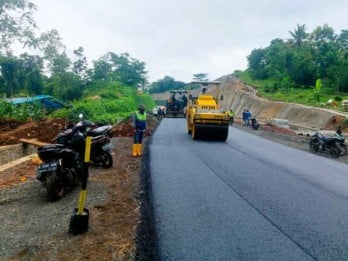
x=45 y=167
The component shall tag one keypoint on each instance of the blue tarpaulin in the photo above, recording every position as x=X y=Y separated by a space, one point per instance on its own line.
x=47 y=100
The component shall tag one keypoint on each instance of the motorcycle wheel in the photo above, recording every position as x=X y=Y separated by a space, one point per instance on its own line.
x=313 y=146
x=54 y=187
x=335 y=151
x=343 y=149
x=107 y=161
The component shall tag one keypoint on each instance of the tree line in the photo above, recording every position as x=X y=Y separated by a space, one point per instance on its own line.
x=300 y=61
x=50 y=70
x=169 y=83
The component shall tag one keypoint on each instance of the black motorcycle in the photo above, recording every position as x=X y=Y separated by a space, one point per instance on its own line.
x=254 y=124
x=335 y=145
x=59 y=169
x=101 y=147
x=341 y=139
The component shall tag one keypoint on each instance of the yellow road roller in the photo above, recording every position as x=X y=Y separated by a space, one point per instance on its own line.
x=205 y=119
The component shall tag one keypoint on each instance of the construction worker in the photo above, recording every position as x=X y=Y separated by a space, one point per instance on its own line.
x=231 y=114
x=139 y=127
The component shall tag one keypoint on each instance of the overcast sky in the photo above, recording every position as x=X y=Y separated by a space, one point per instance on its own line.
x=180 y=38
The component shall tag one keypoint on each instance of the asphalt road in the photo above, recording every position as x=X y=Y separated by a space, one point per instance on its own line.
x=246 y=199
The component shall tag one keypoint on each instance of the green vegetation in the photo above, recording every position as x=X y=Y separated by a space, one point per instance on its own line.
x=147 y=100
x=120 y=103
x=270 y=90
x=105 y=93
x=9 y=111
x=166 y=84
x=299 y=62
x=311 y=68
x=344 y=123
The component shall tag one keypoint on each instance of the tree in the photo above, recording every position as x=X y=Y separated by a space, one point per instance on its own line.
x=323 y=34
x=200 y=77
x=166 y=84
x=60 y=64
x=127 y=70
x=66 y=85
x=80 y=65
x=278 y=56
x=341 y=71
x=257 y=64
x=121 y=68
x=32 y=66
x=54 y=52
x=299 y=35
x=9 y=71
x=16 y=22
x=101 y=71
x=343 y=39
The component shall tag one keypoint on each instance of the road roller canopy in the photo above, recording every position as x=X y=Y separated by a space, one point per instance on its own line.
x=206 y=83
x=178 y=91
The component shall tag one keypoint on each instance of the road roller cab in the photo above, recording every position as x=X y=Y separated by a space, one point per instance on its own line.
x=176 y=103
x=205 y=118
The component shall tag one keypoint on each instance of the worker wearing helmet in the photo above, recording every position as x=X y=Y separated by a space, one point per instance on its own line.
x=139 y=127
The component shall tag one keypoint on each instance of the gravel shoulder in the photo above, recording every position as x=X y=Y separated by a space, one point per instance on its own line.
x=36 y=229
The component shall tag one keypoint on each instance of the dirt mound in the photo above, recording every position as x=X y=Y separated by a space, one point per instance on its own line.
x=44 y=130
x=125 y=127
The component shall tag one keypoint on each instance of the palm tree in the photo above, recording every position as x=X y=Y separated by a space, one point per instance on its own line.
x=299 y=35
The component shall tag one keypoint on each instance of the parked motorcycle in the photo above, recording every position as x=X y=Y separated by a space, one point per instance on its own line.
x=335 y=145
x=59 y=169
x=101 y=147
x=254 y=124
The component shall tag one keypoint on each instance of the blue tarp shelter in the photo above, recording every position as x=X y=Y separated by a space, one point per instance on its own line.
x=46 y=100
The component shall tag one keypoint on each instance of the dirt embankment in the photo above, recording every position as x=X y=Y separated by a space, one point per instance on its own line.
x=239 y=96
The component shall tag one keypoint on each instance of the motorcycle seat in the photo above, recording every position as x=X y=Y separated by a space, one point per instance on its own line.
x=50 y=147
x=100 y=130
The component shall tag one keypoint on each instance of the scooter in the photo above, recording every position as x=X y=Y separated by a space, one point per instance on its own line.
x=101 y=147
x=59 y=169
x=335 y=145
x=254 y=124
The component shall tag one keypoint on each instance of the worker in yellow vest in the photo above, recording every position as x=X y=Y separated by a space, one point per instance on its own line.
x=231 y=114
x=139 y=127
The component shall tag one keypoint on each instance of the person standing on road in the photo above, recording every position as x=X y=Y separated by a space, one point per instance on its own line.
x=244 y=117
x=248 y=117
x=139 y=127
x=231 y=114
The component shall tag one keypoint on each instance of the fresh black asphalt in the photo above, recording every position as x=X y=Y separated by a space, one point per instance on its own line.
x=245 y=199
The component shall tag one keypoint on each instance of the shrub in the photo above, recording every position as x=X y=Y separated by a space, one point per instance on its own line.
x=338 y=98
x=344 y=123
